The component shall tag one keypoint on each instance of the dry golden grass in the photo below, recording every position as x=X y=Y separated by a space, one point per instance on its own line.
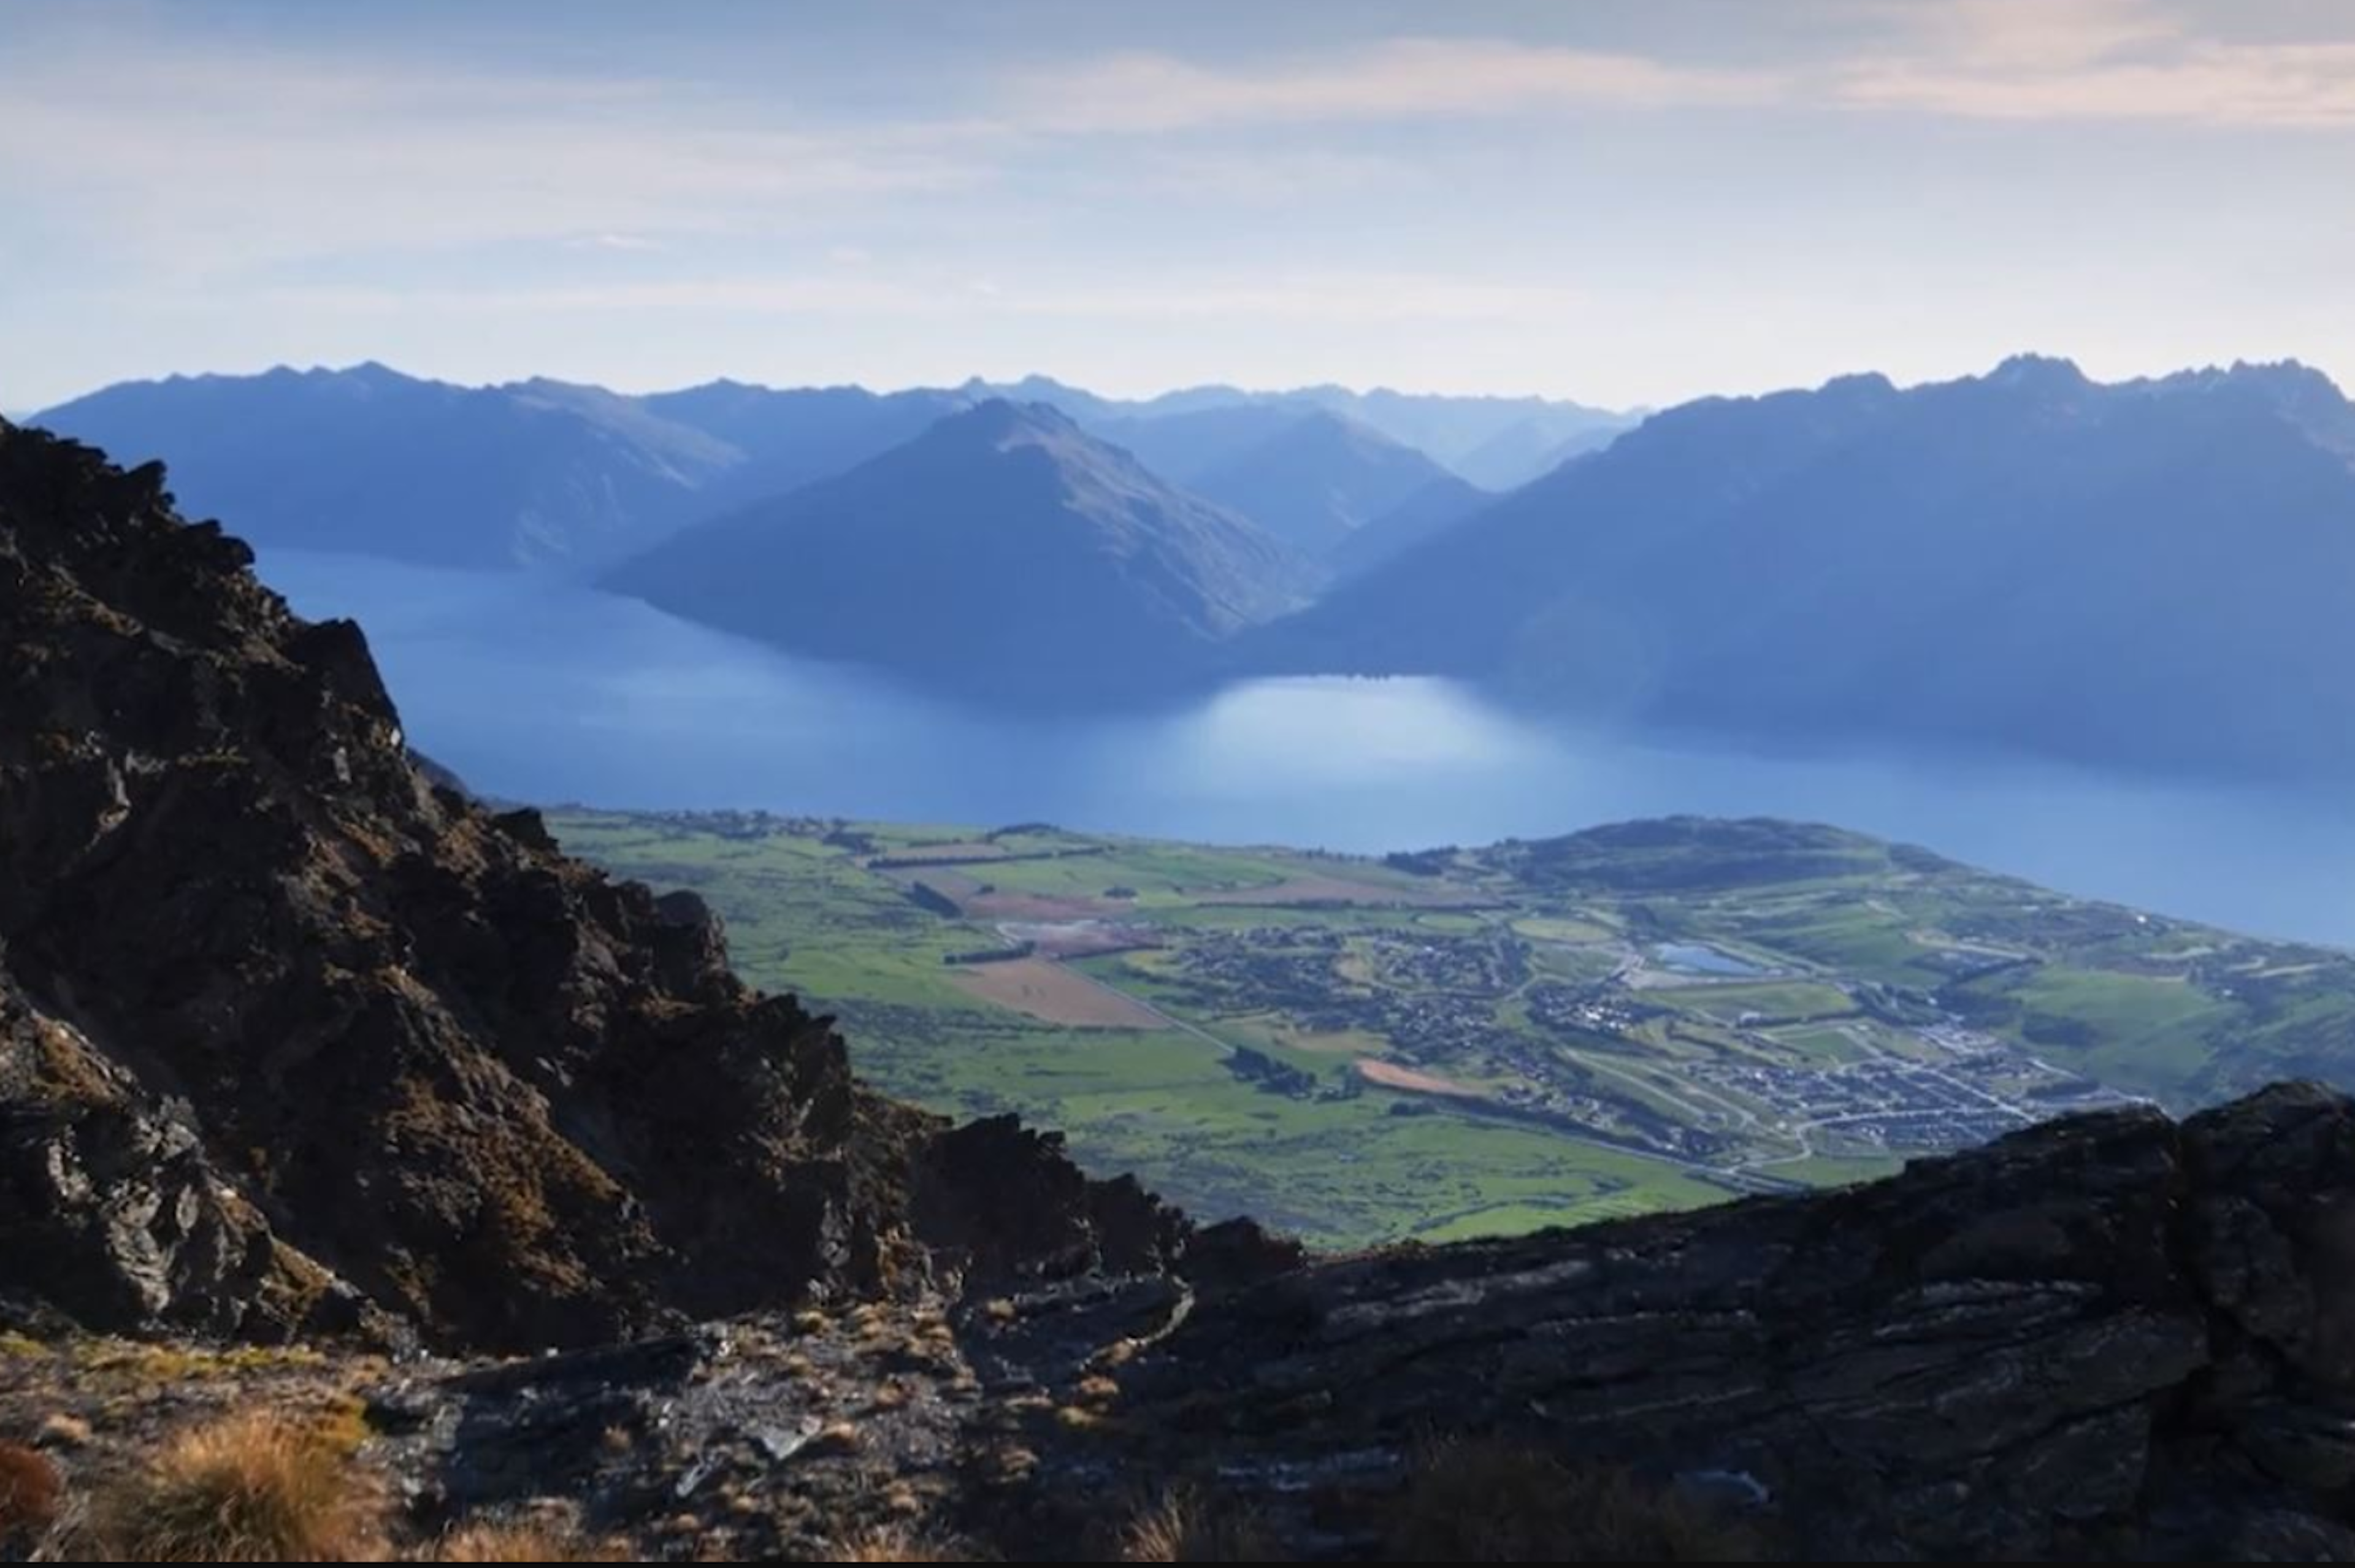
x=249 y=1488
x=521 y=1544
x=900 y=1546
x=1494 y=1502
x=29 y=1491
x=64 y=1431
x=1183 y=1528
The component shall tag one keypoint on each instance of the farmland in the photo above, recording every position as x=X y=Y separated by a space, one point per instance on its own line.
x=1480 y=1041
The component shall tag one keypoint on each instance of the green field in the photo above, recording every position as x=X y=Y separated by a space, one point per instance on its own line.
x=1362 y=1053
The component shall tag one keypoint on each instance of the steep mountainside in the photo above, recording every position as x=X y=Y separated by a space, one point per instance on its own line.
x=1003 y=551
x=1426 y=513
x=1317 y=482
x=291 y=1038
x=2155 y=575
x=1533 y=449
x=367 y=460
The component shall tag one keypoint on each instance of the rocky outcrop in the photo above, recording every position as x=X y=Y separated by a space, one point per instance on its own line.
x=281 y=1010
x=2109 y=1336
x=111 y=1196
x=2114 y=1338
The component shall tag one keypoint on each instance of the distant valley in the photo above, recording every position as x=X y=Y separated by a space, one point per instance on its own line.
x=1463 y=1042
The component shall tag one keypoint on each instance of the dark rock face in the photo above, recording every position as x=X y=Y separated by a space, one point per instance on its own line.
x=411 y=1046
x=2108 y=1337
x=117 y=1205
x=2116 y=1338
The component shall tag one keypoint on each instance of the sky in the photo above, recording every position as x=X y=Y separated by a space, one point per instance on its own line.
x=1625 y=202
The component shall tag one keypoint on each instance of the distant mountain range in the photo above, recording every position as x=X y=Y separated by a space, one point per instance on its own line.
x=547 y=473
x=1004 y=552
x=367 y=460
x=1319 y=480
x=2157 y=573
x=1495 y=443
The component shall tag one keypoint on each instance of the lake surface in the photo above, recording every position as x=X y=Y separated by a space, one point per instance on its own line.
x=539 y=690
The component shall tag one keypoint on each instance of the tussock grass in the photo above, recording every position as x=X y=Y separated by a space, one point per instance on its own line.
x=1183 y=1527
x=249 y=1488
x=30 y=1491
x=520 y=1543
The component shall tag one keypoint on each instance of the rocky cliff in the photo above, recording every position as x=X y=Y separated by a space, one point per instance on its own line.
x=294 y=1043
x=292 y=1038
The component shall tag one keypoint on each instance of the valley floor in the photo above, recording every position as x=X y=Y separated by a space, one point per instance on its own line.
x=1487 y=1041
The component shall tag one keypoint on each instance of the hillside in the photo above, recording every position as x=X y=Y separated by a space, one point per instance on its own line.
x=1424 y=513
x=2152 y=575
x=1004 y=552
x=367 y=461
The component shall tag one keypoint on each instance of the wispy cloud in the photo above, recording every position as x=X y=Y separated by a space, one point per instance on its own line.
x=1369 y=298
x=2097 y=60
x=2019 y=59
x=613 y=241
x=1402 y=79
x=203 y=156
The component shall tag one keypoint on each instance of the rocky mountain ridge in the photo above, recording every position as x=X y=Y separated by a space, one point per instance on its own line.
x=294 y=1035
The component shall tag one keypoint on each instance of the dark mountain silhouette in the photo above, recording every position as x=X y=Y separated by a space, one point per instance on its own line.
x=1002 y=551
x=1318 y=480
x=2158 y=573
x=371 y=462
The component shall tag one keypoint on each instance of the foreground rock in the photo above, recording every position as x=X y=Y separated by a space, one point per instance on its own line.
x=2116 y=1338
x=292 y=1039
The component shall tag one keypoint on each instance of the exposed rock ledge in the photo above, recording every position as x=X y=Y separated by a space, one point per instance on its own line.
x=2111 y=1339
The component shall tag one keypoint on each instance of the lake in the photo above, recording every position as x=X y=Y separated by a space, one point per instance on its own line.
x=1692 y=958
x=537 y=689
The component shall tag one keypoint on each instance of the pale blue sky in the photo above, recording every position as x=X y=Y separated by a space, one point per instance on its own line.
x=1623 y=201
